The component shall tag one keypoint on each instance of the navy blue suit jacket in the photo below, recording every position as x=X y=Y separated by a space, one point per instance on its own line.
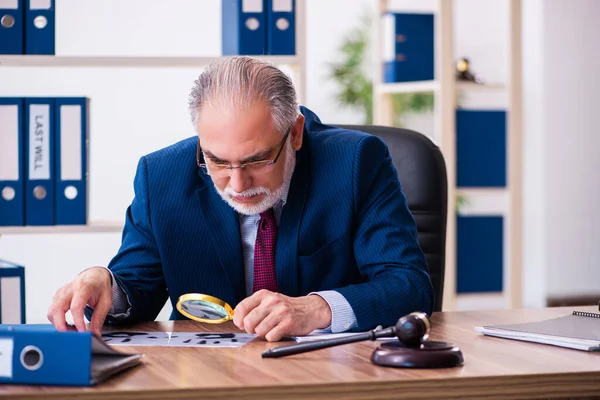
x=346 y=227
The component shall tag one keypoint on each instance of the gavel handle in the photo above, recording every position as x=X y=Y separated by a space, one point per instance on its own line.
x=287 y=350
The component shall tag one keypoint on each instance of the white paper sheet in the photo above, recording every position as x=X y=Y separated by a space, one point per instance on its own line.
x=176 y=339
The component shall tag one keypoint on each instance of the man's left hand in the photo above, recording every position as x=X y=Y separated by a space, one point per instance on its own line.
x=274 y=315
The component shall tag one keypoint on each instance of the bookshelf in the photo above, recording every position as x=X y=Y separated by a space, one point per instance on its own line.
x=293 y=64
x=445 y=89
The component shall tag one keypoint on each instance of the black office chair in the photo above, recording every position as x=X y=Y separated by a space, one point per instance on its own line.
x=422 y=173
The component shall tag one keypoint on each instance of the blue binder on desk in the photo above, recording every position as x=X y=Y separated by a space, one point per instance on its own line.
x=39 y=161
x=40 y=27
x=12 y=163
x=71 y=151
x=12 y=27
x=281 y=27
x=244 y=27
x=40 y=355
x=408 y=47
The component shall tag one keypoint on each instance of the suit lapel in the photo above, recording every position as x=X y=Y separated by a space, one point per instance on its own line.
x=222 y=220
x=286 y=255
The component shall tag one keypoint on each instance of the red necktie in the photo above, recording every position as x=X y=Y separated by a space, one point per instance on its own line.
x=264 y=253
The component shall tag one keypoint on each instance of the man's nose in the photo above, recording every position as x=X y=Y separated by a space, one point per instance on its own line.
x=239 y=180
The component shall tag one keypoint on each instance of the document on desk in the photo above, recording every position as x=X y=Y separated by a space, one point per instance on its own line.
x=176 y=339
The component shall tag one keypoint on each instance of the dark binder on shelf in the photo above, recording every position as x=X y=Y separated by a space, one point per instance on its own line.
x=408 y=47
x=281 y=27
x=579 y=330
x=480 y=148
x=12 y=27
x=480 y=242
x=40 y=27
x=40 y=355
x=71 y=151
x=39 y=161
x=12 y=162
x=244 y=27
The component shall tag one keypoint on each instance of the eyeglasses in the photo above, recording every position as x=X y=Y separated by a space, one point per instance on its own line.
x=220 y=169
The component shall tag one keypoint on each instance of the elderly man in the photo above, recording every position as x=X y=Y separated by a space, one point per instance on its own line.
x=297 y=224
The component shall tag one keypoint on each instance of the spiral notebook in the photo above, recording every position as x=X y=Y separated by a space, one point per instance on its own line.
x=579 y=330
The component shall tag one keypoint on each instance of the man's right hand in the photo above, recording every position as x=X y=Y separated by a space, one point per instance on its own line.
x=92 y=287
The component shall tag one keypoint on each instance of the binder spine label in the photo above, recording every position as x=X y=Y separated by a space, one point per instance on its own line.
x=6 y=357
x=9 y=160
x=40 y=4
x=283 y=6
x=70 y=143
x=39 y=142
x=252 y=6
x=9 y=4
x=388 y=24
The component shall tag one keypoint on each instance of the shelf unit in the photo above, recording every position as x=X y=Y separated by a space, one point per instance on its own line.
x=445 y=87
x=296 y=64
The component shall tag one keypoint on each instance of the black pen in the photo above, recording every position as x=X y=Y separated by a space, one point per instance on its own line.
x=287 y=350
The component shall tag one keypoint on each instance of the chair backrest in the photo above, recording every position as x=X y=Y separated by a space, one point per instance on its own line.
x=422 y=173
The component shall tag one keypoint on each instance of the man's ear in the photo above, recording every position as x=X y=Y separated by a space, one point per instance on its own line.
x=297 y=132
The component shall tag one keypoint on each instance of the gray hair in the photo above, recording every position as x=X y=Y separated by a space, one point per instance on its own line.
x=238 y=82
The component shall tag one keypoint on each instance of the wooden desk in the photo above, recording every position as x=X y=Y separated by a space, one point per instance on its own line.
x=494 y=369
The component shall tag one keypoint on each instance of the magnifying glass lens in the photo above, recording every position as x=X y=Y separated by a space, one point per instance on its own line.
x=204 y=308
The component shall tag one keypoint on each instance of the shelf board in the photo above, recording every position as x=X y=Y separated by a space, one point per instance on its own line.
x=483 y=191
x=431 y=86
x=92 y=227
x=484 y=201
x=408 y=87
x=147 y=62
x=479 y=87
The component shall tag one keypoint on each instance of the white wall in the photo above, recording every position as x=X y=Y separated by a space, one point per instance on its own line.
x=571 y=119
x=561 y=187
x=534 y=149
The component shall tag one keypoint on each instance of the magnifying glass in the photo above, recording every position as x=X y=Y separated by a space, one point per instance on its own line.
x=204 y=308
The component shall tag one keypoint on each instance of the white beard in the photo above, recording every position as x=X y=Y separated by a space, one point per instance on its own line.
x=271 y=197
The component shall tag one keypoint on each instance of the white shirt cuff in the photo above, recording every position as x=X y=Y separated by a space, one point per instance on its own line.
x=342 y=315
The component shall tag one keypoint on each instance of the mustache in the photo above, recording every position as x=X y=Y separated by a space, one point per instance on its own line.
x=248 y=192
